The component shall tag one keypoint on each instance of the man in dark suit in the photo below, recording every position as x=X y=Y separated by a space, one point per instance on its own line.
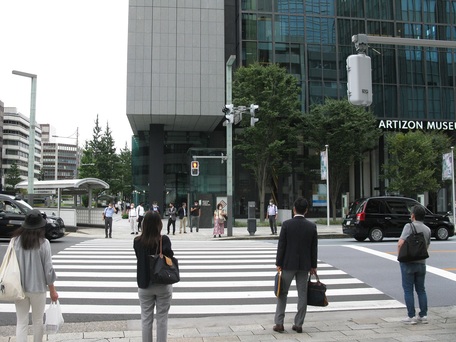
x=296 y=256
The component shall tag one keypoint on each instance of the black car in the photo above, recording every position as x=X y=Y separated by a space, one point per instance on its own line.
x=12 y=215
x=385 y=216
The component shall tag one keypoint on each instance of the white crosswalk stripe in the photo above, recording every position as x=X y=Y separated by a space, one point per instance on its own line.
x=216 y=279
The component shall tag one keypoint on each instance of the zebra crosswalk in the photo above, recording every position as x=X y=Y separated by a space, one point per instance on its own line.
x=217 y=278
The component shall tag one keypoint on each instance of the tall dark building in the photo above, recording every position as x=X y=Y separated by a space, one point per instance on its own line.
x=177 y=52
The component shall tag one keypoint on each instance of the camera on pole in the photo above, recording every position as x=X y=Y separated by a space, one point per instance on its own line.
x=359 y=80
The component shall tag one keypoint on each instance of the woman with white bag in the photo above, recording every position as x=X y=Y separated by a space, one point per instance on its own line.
x=33 y=253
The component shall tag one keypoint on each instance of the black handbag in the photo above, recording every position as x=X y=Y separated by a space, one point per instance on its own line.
x=163 y=269
x=277 y=283
x=414 y=247
x=316 y=292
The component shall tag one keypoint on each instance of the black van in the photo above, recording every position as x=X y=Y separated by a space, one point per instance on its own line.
x=385 y=216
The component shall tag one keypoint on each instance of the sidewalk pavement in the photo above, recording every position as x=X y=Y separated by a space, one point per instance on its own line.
x=121 y=230
x=321 y=324
x=382 y=325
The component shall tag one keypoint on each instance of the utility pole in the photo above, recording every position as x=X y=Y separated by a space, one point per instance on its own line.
x=229 y=146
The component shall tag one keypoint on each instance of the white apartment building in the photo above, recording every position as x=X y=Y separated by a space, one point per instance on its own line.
x=16 y=128
x=60 y=160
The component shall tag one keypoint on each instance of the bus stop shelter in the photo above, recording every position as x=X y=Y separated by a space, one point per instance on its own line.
x=73 y=187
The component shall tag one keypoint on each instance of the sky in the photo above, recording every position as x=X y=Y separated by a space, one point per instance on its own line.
x=78 y=50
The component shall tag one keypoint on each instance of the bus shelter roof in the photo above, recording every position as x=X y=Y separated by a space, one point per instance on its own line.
x=68 y=186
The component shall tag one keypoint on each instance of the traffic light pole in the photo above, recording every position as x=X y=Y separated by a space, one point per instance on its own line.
x=362 y=41
x=229 y=147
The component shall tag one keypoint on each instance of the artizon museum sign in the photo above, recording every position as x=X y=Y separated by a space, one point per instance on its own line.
x=398 y=125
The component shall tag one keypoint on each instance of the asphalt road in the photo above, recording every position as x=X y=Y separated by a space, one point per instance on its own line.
x=373 y=264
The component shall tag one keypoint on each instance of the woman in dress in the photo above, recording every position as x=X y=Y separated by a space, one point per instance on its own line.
x=151 y=294
x=34 y=256
x=219 y=220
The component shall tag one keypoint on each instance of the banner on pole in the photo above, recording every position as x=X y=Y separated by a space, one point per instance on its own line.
x=323 y=165
x=319 y=195
x=447 y=166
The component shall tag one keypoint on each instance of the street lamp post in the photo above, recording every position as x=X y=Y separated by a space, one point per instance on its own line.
x=31 y=156
x=229 y=146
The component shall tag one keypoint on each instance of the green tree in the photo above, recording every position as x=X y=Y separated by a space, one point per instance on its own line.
x=415 y=162
x=267 y=146
x=99 y=158
x=348 y=130
x=12 y=177
x=124 y=173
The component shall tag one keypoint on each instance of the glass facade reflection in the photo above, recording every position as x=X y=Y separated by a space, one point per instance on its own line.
x=312 y=40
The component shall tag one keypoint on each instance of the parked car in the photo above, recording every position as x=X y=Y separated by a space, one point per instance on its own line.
x=385 y=216
x=12 y=215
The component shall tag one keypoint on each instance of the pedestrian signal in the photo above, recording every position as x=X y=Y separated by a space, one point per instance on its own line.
x=195 y=168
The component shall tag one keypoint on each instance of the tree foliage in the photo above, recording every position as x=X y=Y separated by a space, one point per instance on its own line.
x=415 y=162
x=349 y=131
x=267 y=146
x=99 y=160
x=12 y=177
x=124 y=172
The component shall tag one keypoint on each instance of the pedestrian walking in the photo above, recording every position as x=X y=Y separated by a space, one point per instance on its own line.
x=297 y=253
x=155 y=207
x=140 y=214
x=108 y=213
x=414 y=273
x=33 y=253
x=195 y=213
x=271 y=214
x=219 y=220
x=151 y=295
x=182 y=212
x=132 y=219
x=171 y=217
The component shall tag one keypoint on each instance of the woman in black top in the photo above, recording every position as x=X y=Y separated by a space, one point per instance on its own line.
x=172 y=217
x=149 y=293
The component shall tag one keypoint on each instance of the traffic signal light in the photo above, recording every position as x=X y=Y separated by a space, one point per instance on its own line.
x=253 y=110
x=228 y=109
x=195 y=168
x=359 y=80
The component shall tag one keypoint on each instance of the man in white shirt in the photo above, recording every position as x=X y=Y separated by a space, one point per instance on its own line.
x=271 y=214
x=132 y=219
x=140 y=213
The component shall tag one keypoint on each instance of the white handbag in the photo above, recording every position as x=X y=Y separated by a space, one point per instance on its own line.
x=54 y=318
x=10 y=276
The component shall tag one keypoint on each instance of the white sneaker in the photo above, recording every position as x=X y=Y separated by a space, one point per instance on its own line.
x=422 y=320
x=410 y=320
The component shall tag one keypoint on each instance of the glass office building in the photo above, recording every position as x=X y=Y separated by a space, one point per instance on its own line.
x=312 y=40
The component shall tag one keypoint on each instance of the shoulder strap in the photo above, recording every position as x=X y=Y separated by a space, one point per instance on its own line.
x=413 y=228
x=161 y=247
